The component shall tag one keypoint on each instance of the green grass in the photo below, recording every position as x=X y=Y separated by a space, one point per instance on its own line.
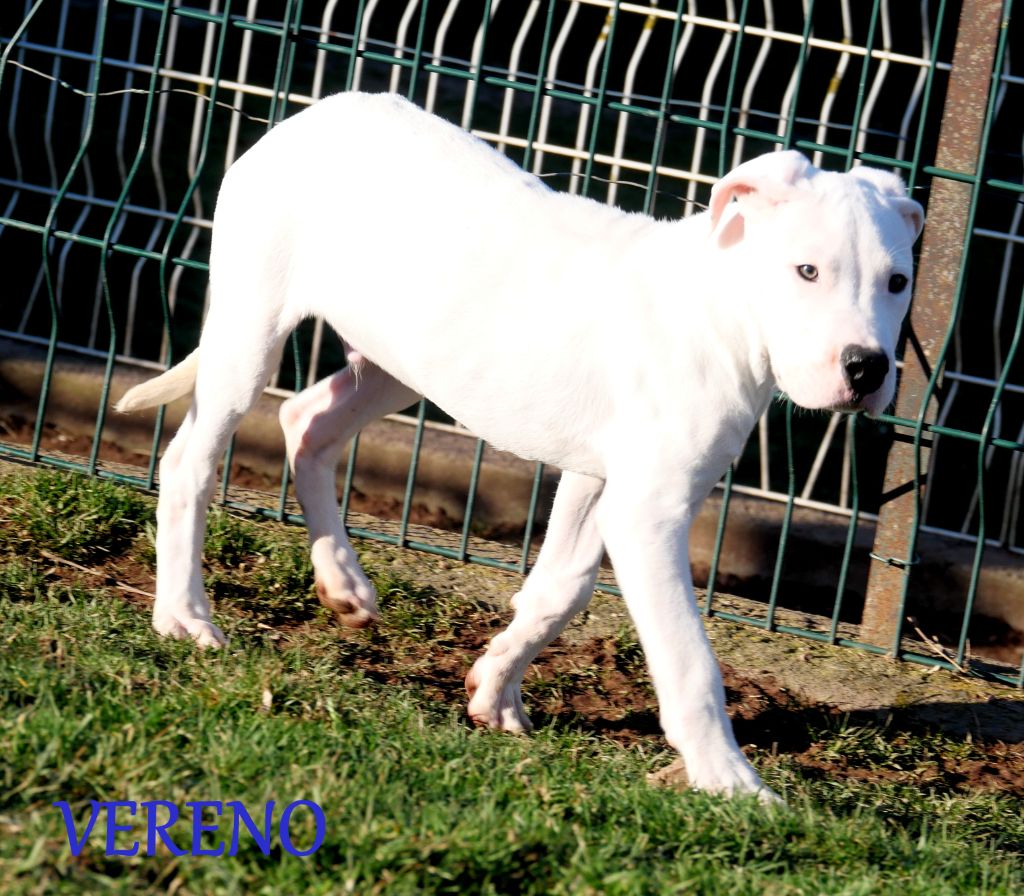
x=82 y=520
x=94 y=707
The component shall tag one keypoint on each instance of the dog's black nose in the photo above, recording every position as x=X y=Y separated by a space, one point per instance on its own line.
x=864 y=368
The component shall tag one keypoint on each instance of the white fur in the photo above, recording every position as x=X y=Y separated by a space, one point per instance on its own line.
x=632 y=353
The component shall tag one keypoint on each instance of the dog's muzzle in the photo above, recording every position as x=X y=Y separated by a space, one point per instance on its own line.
x=864 y=369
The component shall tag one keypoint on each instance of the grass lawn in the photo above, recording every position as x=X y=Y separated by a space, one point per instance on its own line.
x=371 y=727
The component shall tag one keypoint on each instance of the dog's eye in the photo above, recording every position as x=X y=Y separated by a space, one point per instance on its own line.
x=898 y=283
x=808 y=272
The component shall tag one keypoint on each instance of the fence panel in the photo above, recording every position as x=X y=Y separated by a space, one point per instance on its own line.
x=121 y=118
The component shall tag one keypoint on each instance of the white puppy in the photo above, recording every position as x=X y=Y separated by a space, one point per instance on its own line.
x=634 y=354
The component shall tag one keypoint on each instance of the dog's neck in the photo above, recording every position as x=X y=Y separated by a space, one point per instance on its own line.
x=711 y=335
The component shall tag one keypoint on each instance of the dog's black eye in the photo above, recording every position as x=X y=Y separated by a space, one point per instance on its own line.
x=808 y=272
x=898 y=283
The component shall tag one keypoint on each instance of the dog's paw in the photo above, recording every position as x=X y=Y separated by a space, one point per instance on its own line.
x=178 y=625
x=352 y=608
x=728 y=776
x=768 y=797
x=489 y=707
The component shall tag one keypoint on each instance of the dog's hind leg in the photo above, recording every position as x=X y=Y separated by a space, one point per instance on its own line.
x=317 y=424
x=560 y=585
x=227 y=384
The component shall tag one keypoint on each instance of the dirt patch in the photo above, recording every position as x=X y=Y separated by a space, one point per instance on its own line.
x=19 y=431
x=591 y=685
x=786 y=695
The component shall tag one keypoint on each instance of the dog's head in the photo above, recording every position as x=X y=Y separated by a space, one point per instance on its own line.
x=828 y=262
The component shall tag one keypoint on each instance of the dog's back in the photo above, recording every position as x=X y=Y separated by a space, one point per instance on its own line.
x=359 y=207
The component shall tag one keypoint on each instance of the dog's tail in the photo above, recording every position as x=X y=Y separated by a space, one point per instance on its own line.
x=175 y=383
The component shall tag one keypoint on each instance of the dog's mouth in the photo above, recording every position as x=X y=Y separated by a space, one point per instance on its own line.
x=838 y=407
x=847 y=401
x=854 y=403
x=845 y=407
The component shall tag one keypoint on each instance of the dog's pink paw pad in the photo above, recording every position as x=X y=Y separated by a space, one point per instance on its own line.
x=347 y=608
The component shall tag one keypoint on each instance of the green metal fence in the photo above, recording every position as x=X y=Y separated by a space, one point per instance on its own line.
x=121 y=117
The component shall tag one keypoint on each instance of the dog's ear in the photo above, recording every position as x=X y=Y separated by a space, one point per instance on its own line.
x=765 y=181
x=891 y=186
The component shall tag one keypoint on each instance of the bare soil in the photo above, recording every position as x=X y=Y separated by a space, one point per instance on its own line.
x=17 y=430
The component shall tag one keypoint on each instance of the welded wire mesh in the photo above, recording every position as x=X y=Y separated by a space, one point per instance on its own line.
x=121 y=118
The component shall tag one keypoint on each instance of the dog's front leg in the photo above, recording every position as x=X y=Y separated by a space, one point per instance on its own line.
x=645 y=528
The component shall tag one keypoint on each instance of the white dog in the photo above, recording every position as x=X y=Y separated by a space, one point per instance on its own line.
x=634 y=354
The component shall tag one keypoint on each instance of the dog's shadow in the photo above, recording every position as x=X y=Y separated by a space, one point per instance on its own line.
x=601 y=690
x=944 y=747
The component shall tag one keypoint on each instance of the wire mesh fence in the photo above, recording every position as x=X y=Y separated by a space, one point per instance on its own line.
x=121 y=118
